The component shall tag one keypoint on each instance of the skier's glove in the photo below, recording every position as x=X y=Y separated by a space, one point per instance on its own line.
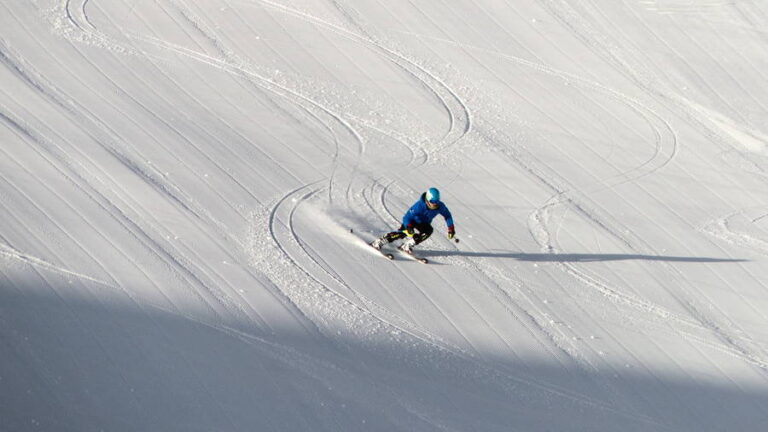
x=408 y=231
x=451 y=233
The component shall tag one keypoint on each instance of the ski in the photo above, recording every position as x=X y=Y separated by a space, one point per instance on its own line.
x=415 y=257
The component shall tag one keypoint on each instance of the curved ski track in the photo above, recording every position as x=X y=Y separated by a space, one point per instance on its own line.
x=756 y=241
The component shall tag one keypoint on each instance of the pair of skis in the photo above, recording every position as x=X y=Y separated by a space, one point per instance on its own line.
x=391 y=257
x=409 y=254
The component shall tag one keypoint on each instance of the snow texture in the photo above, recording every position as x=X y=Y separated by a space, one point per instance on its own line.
x=187 y=188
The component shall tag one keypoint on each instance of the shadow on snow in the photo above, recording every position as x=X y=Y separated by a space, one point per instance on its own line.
x=577 y=257
x=102 y=362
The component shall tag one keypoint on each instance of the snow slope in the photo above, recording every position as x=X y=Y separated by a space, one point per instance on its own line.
x=186 y=188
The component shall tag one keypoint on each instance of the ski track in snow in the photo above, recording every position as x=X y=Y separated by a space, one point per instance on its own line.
x=748 y=235
x=673 y=7
x=455 y=106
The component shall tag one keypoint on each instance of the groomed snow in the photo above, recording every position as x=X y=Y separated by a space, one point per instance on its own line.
x=186 y=190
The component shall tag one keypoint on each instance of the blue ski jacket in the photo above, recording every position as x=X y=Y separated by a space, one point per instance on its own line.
x=419 y=213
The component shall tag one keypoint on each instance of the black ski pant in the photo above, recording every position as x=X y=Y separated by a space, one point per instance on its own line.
x=422 y=232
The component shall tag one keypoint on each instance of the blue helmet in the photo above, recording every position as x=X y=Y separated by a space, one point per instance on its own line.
x=433 y=195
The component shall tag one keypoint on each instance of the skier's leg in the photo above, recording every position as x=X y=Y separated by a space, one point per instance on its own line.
x=395 y=235
x=423 y=233
x=425 y=230
x=388 y=238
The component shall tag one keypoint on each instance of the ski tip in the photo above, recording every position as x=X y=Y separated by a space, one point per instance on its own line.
x=389 y=256
x=423 y=260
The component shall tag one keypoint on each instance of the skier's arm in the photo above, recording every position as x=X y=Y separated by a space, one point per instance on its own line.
x=448 y=220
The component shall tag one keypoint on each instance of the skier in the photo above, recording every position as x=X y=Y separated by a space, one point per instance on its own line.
x=417 y=221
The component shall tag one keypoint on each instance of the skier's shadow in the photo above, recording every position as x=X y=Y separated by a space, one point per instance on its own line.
x=577 y=257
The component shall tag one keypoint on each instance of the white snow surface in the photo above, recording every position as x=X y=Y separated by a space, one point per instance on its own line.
x=186 y=188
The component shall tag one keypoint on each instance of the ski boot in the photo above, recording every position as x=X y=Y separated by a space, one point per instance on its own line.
x=378 y=243
x=408 y=245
